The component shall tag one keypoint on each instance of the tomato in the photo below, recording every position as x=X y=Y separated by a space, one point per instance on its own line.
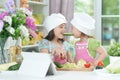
x=87 y=65
x=100 y=63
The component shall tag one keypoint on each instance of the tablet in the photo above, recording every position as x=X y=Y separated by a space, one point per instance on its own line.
x=36 y=64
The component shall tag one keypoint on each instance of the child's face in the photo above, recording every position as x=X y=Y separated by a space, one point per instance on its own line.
x=60 y=30
x=76 y=32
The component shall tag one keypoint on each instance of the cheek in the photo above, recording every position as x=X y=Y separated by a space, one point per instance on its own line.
x=76 y=34
x=57 y=33
x=73 y=31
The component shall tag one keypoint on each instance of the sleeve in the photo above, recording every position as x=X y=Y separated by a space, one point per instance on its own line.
x=43 y=44
x=93 y=44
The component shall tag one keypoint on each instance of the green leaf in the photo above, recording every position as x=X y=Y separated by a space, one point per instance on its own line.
x=114 y=49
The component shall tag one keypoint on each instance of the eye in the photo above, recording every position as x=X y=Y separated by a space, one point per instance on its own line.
x=62 y=26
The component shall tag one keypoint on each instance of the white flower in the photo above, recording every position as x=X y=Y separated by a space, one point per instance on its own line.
x=26 y=11
x=24 y=31
x=8 y=19
x=1 y=25
x=10 y=29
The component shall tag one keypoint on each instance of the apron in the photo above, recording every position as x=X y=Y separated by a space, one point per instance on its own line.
x=56 y=58
x=83 y=53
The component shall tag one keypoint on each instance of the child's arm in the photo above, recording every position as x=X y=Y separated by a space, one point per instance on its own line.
x=69 y=57
x=44 y=46
x=44 y=50
x=102 y=55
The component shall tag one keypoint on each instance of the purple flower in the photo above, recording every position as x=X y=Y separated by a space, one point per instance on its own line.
x=10 y=5
x=30 y=23
x=1 y=25
x=2 y=15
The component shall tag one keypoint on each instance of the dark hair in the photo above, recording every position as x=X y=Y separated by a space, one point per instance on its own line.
x=51 y=36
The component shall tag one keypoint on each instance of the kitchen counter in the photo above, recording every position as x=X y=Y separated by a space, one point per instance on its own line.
x=60 y=75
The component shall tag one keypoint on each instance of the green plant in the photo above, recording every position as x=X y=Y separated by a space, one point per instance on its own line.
x=114 y=49
x=16 y=24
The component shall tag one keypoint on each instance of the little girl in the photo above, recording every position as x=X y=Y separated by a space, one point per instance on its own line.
x=54 y=42
x=83 y=27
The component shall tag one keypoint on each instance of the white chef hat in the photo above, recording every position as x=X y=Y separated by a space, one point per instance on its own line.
x=84 y=23
x=54 y=20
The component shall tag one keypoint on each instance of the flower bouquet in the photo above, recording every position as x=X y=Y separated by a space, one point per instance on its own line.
x=15 y=23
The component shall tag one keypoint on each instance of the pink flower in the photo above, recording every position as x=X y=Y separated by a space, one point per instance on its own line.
x=30 y=23
x=3 y=14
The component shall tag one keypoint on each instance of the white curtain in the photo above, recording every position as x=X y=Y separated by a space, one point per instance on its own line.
x=66 y=7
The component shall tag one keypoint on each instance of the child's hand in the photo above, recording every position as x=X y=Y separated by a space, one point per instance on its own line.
x=59 y=52
x=95 y=63
x=99 y=63
x=62 y=56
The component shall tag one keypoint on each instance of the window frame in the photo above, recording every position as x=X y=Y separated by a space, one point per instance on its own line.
x=98 y=17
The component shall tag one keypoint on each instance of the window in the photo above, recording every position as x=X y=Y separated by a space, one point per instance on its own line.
x=107 y=16
x=110 y=21
x=86 y=6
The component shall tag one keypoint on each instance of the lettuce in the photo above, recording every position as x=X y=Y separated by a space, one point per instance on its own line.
x=114 y=67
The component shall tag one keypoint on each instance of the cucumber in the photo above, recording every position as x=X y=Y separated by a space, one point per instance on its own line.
x=59 y=65
x=99 y=67
x=14 y=67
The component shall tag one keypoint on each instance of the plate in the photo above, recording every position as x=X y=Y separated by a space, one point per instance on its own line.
x=104 y=72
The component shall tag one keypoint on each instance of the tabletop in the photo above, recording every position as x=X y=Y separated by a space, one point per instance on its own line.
x=60 y=75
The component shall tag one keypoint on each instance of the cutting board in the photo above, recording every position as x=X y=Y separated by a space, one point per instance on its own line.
x=76 y=69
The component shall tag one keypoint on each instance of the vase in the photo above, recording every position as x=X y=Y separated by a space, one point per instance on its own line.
x=2 y=50
x=19 y=42
x=5 y=44
x=114 y=58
